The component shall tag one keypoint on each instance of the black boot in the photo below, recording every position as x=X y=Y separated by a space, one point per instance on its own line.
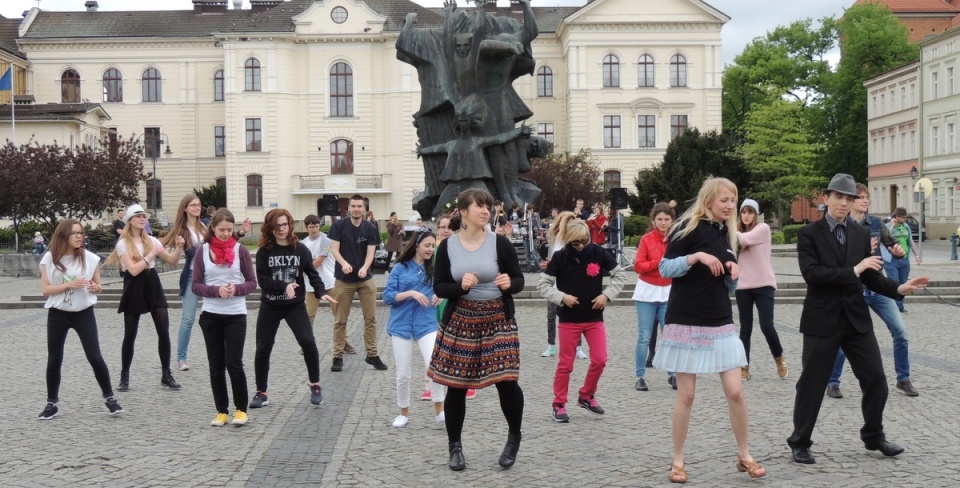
x=124 y=381
x=167 y=379
x=509 y=455
x=457 y=463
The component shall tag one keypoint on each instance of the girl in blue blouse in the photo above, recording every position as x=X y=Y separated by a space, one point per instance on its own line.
x=413 y=318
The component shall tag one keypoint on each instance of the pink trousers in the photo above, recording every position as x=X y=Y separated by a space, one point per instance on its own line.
x=596 y=335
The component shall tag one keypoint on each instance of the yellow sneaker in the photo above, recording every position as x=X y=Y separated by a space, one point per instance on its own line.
x=219 y=420
x=239 y=418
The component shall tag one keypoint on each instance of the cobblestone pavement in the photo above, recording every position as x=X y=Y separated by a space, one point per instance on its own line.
x=163 y=438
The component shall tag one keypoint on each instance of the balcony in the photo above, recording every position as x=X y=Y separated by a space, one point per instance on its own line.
x=327 y=184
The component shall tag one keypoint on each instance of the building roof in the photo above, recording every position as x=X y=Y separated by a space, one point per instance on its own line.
x=548 y=18
x=914 y=6
x=52 y=111
x=9 y=32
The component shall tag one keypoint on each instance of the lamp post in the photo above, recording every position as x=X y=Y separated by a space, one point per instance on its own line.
x=157 y=139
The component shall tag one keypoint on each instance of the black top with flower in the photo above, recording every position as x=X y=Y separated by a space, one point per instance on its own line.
x=580 y=273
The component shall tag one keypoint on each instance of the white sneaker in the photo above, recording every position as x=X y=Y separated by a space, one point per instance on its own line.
x=182 y=365
x=400 y=421
x=550 y=352
x=580 y=353
x=441 y=418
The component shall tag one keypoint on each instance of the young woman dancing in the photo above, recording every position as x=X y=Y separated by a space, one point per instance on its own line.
x=188 y=226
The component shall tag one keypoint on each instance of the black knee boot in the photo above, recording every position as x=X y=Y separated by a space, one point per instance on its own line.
x=167 y=379
x=509 y=455
x=457 y=463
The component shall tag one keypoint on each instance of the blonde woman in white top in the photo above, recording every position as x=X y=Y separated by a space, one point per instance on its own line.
x=70 y=279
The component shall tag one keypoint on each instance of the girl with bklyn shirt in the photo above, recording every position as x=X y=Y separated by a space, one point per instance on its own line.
x=282 y=262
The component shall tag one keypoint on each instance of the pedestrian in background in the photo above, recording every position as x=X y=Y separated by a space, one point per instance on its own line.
x=394 y=237
x=530 y=232
x=898 y=269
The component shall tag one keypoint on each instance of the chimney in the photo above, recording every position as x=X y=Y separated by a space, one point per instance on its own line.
x=237 y=4
x=263 y=5
x=92 y=5
x=209 y=6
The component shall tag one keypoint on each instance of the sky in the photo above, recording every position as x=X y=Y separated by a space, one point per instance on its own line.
x=749 y=18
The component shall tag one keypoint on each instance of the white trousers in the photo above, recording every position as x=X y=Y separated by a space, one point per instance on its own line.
x=403 y=355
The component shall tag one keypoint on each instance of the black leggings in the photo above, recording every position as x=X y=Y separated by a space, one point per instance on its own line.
x=455 y=408
x=85 y=323
x=268 y=323
x=224 y=336
x=131 y=324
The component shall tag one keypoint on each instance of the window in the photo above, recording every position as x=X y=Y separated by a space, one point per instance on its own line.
x=341 y=157
x=251 y=75
x=883 y=150
x=678 y=70
x=913 y=94
x=254 y=191
x=893 y=147
x=112 y=85
x=874 y=111
x=339 y=15
x=876 y=151
x=935 y=202
x=70 y=87
x=935 y=141
x=221 y=182
x=151 y=142
x=951 y=141
x=611 y=71
x=647 y=130
x=218 y=86
x=219 y=141
x=893 y=100
x=341 y=90
x=151 y=85
x=678 y=124
x=913 y=144
x=154 y=193
x=611 y=131
x=903 y=97
x=611 y=179
x=903 y=146
x=934 y=85
x=544 y=82
x=645 y=71
x=951 y=204
x=883 y=103
x=254 y=135
x=950 y=81
x=545 y=130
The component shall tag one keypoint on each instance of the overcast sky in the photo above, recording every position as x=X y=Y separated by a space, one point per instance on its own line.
x=748 y=18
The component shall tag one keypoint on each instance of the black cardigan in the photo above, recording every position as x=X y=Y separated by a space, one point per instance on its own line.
x=446 y=287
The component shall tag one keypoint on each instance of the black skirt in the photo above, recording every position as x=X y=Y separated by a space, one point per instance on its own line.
x=142 y=293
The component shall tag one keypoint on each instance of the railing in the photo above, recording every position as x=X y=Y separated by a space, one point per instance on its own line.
x=328 y=181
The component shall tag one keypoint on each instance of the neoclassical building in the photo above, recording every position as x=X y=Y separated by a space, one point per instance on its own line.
x=288 y=101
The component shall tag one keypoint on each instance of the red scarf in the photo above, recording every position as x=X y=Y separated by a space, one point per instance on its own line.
x=223 y=250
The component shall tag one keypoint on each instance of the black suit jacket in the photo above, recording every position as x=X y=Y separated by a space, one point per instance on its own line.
x=832 y=286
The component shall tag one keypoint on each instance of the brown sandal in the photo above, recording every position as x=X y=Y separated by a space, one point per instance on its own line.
x=677 y=474
x=751 y=468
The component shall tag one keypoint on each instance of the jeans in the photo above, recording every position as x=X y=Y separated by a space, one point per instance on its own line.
x=187 y=318
x=763 y=297
x=343 y=292
x=84 y=322
x=403 y=355
x=596 y=335
x=885 y=309
x=224 y=336
x=533 y=255
x=898 y=269
x=648 y=313
x=268 y=323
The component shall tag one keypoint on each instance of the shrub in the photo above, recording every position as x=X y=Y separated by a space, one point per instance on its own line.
x=777 y=237
x=790 y=233
x=636 y=225
x=6 y=236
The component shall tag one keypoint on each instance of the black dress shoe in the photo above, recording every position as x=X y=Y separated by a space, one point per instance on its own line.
x=888 y=449
x=457 y=463
x=509 y=455
x=907 y=388
x=803 y=455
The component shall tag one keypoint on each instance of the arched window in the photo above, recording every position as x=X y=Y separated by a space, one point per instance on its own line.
x=341 y=90
x=254 y=191
x=645 y=68
x=151 y=85
x=221 y=182
x=611 y=71
x=218 y=86
x=544 y=82
x=251 y=75
x=154 y=193
x=678 y=70
x=70 y=87
x=341 y=157
x=112 y=85
x=611 y=179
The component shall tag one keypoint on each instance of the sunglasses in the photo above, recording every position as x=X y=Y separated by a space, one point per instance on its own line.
x=580 y=242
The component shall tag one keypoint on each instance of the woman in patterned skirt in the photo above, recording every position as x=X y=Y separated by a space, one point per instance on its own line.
x=478 y=344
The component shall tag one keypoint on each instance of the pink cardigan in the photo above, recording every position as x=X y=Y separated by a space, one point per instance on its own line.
x=756 y=269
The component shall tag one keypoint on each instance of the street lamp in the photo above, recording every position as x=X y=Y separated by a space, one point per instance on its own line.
x=158 y=139
x=914 y=173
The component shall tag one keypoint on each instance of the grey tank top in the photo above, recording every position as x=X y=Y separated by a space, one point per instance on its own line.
x=483 y=261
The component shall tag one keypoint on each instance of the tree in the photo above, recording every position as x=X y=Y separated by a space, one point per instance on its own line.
x=215 y=195
x=780 y=153
x=566 y=177
x=51 y=182
x=691 y=158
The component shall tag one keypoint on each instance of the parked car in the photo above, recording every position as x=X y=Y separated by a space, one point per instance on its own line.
x=380 y=257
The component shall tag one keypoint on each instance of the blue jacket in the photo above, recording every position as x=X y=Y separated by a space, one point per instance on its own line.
x=408 y=318
x=187 y=273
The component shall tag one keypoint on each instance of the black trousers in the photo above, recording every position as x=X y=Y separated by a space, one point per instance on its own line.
x=85 y=323
x=511 y=404
x=819 y=354
x=763 y=298
x=268 y=323
x=224 y=336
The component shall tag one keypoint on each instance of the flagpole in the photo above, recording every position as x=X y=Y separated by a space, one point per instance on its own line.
x=13 y=106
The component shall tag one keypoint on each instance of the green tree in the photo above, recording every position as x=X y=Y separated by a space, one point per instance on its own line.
x=690 y=158
x=566 y=177
x=214 y=194
x=780 y=152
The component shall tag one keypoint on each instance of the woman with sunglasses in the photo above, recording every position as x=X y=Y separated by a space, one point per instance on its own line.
x=573 y=281
x=70 y=279
x=137 y=252
x=556 y=239
x=189 y=226
x=282 y=263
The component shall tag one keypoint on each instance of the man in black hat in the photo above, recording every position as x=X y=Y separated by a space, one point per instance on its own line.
x=835 y=259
